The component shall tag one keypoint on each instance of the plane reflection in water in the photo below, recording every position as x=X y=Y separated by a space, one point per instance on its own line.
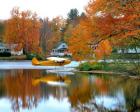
x=52 y=80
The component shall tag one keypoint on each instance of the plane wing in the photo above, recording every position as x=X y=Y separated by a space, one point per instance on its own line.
x=56 y=59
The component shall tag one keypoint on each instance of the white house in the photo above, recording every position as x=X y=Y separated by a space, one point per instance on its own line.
x=4 y=49
x=10 y=48
x=61 y=50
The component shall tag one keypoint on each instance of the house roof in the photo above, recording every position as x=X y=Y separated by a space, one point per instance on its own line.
x=62 y=46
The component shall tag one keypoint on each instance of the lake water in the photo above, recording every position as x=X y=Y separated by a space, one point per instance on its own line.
x=36 y=91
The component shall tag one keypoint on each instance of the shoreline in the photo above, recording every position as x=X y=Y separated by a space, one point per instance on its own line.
x=27 y=64
x=123 y=74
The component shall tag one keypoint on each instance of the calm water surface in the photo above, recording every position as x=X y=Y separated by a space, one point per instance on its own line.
x=34 y=91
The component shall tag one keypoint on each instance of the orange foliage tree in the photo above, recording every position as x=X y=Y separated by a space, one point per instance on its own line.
x=116 y=21
x=103 y=49
x=23 y=29
x=80 y=39
x=111 y=22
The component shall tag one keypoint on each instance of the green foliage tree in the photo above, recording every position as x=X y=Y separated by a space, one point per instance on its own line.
x=73 y=14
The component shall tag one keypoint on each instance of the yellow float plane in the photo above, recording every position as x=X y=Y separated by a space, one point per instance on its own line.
x=51 y=61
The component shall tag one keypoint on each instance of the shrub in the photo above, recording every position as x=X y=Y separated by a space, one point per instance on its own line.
x=5 y=54
x=87 y=66
x=97 y=66
x=84 y=66
x=32 y=55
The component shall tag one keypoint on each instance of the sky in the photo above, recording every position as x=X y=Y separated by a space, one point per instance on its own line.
x=44 y=8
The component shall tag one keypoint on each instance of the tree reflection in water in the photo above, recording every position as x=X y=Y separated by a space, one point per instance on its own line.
x=19 y=89
x=81 y=95
x=85 y=92
x=92 y=93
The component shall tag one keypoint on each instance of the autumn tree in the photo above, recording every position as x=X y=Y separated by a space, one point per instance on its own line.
x=45 y=32
x=119 y=22
x=50 y=33
x=111 y=23
x=23 y=29
x=71 y=30
x=71 y=21
x=115 y=20
x=79 y=40
x=56 y=24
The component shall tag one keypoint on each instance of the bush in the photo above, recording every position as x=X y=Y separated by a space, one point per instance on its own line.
x=84 y=66
x=5 y=54
x=87 y=66
x=32 y=55
x=97 y=66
